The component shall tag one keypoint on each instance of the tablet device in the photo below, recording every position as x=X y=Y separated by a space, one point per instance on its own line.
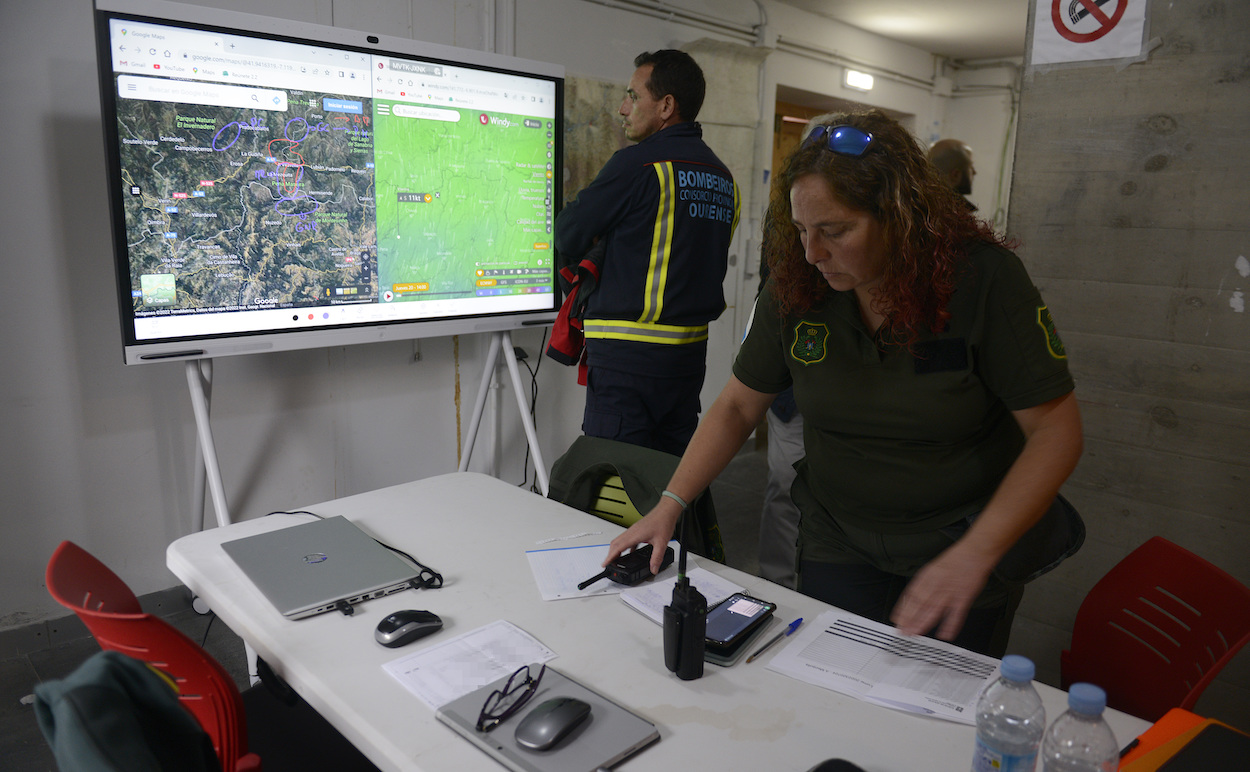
x=1216 y=746
x=610 y=735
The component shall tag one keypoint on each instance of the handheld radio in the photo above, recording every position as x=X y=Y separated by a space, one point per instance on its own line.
x=631 y=568
x=685 y=621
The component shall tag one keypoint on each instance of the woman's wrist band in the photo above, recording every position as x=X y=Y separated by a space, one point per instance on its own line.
x=675 y=497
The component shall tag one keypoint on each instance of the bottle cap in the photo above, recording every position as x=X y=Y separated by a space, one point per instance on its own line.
x=1016 y=668
x=1087 y=699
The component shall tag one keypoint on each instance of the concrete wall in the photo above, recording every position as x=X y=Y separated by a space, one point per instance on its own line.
x=1129 y=197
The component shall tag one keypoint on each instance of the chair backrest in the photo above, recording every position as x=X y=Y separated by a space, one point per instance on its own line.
x=1157 y=629
x=110 y=610
x=580 y=478
x=613 y=503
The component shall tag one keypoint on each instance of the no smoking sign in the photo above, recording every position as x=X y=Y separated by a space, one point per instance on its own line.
x=1087 y=30
x=1084 y=21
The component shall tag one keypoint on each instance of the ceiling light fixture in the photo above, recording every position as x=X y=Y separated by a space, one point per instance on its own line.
x=860 y=81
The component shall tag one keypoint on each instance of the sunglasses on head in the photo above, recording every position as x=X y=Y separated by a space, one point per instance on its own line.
x=843 y=140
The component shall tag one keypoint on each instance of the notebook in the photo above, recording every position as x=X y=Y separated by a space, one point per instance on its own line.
x=610 y=735
x=312 y=568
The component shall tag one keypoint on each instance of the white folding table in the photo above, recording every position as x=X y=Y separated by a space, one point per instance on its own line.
x=475 y=530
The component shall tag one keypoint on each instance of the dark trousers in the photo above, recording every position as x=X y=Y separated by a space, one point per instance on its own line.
x=870 y=592
x=658 y=413
x=865 y=572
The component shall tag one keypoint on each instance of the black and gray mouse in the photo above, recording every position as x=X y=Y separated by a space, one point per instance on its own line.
x=406 y=626
x=550 y=722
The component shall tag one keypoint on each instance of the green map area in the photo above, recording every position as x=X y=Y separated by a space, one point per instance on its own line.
x=464 y=202
x=244 y=209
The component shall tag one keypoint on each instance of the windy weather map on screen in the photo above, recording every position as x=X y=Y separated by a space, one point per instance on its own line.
x=273 y=186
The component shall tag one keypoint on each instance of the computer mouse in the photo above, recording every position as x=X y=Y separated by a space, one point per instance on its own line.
x=550 y=722
x=402 y=627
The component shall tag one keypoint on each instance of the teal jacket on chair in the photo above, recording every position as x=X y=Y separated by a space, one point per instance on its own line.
x=115 y=714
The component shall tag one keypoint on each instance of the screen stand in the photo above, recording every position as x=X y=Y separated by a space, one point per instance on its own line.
x=200 y=384
x=503 y=339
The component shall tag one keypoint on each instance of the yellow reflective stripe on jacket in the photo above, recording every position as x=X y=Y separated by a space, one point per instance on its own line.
x=619 y=329
x=661 y=243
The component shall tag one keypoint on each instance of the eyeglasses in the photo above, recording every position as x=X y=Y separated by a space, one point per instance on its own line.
x=503 y=703
x=843 y=140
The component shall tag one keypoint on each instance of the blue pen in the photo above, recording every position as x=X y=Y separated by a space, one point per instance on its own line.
x=793 y=626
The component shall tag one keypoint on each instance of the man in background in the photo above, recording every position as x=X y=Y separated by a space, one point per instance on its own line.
x=666 y=208
x=953 y=160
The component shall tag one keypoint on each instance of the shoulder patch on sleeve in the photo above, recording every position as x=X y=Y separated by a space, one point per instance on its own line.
x=1053 y=344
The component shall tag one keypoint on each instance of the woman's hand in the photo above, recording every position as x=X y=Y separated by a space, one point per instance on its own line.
x=656 y=529
x=943 y=590
x=942 y=593
x=727 y=424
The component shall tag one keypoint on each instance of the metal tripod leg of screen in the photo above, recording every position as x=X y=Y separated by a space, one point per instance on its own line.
x=503 y=339
x=200 y=383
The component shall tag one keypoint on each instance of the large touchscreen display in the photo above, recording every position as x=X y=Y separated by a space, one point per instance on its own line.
x=270 y=185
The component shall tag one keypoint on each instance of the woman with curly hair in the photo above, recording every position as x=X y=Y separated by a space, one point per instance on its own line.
x=940 y=415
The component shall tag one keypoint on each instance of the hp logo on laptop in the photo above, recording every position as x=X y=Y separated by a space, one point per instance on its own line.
x=316 y=557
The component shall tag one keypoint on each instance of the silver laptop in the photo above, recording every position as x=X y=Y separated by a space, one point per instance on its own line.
x=315 y=567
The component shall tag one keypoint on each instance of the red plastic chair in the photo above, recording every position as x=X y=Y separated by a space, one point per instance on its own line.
x=81 y=583
x=1156 y=630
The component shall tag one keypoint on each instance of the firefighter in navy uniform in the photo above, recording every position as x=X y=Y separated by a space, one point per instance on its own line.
x=666 y=209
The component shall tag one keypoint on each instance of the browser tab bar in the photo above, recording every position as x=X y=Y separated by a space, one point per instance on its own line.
x=143 y=37
x=416 y=68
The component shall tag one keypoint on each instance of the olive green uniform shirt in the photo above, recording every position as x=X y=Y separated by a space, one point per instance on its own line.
x=898 y=442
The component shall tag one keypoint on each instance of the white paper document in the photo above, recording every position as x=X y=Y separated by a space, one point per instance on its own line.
x=558 y=571
x=651 y=597
x=457 y=666
x=874 y=662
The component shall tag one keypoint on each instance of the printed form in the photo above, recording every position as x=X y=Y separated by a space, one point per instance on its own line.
x=856 y=656
x=558 y=571
x=467 y=662
x=650 y=598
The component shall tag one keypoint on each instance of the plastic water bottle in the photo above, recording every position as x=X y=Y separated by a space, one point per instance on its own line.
x=1080 y=740
x=1010 y=720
